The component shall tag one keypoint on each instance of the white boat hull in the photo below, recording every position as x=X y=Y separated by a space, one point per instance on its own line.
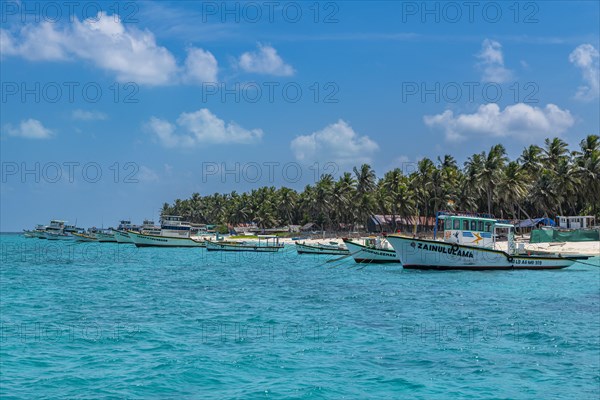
x=216 y=246
x=57 y=236
x=365 y=254
x=39 y=234
x=105 y=237
x=430 y=254
x=143 y=240
x=320 y=249
x=122 y=237
x=84 y=238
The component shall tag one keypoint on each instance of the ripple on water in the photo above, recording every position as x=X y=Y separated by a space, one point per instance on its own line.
x=183 y=323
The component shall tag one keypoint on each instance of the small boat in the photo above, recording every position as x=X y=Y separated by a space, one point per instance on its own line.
x=58 y=236
x=173 y=233
x=266 y=243
x=82 y=237
x=105 y=235
x=121 y=234
x=470 y=243
x=318 y=248
x=38 y=232
x=56 y=231
x=372 y=250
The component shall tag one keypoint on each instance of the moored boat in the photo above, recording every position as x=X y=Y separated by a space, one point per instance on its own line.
x=121 y=234
x=372 y=250
x=173 y=233
x=470 y=243
x=318 y=248
x=83 y=237
x=56 y=231
x=266 y=244
x=104 y=235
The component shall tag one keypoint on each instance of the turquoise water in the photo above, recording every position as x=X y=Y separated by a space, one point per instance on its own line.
x=106 y=320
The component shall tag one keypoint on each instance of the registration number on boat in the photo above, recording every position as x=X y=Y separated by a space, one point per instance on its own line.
x=528 y=262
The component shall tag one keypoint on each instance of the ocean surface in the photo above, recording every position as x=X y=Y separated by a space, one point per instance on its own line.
x=102 y=320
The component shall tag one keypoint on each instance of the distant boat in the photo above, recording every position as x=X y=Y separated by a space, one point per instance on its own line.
x=105 y=236
x=56 y=231
x=265 y=244
x=82 y=237
x=372 y=250
x=173 y=233
x=470 y=244
x=38 y=232
x=121 y=233
x=58 y=236
x=318 y=248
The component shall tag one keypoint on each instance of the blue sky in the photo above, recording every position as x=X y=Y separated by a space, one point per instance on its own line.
x=166 y=99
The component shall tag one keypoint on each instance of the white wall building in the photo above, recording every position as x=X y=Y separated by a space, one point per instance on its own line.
x=577 y=222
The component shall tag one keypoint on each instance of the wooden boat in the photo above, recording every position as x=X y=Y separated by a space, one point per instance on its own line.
x=319 y=248
x=266 y=244
x=470 y=243
x=372 y=250
x=122 y=236
x=58 y=236
x=82 y=237
x=105 y=236
x=121 y=233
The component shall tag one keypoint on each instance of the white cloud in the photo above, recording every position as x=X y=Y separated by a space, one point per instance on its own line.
x=585 y=57
x=492 y=62
x=29 y=129
x=131 y=54
x=336 y=142
x=83 y=115
x=200 y=128
x=521 y=121
x=146 y=175
x=200 y=66
x=265 y=61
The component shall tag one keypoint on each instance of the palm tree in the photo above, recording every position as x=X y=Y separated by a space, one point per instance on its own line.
x=399 y=196
x=165 y=210
x=555 y=151
x=514 y=187
x=531 y=160
x=421 y=183
x=343 y=211
x=365 y=186
x=286 y=204
x=587 y=168
x=542 y=180
x=491 y=172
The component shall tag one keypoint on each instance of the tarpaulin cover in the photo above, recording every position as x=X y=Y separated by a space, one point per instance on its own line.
x=553 y=235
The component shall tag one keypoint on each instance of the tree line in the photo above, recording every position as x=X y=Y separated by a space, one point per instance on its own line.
x=544 y=180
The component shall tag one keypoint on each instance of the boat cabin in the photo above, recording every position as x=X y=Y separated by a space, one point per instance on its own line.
x=56 y=225
x=126 y=225
x=148 y=228
x=269 y=241
x=475 y=231
x=174 y=226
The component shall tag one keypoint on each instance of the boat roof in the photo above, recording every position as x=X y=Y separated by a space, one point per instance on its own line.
x=501 y=225
x=467 y=217
x=267 y=236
